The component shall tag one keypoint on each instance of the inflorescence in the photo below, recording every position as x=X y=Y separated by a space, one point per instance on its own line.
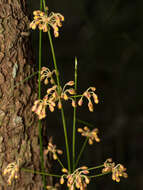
x=91 y=134
x=78 y=179
x=43 y=21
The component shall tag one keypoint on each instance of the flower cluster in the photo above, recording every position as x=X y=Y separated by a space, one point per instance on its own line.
x=46 y=75
x=117 y=170
x=53 y=95
x=42 y=20
x=66 y=92
x=39 y=108
x=52 y=149
x=92 y=135
x=77 y=179
x=90 y=92
x=12 y=170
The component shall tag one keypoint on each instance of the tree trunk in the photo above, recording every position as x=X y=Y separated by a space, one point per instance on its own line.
x=18 y=125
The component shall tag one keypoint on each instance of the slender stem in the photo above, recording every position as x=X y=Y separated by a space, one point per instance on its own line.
x=39 y=96
x=96 y=167
x=37 y=172
x=76 y=96
x=85 y=123
x=74 y=114
x=66 y=139
x=27 y=78
x=98 y=175
x=62 y=111
x=44 y=4
x=60 y=161
x=81 y=151
x=54 y=58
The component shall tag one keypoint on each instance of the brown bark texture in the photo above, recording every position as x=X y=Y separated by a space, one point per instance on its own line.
x=18 y=125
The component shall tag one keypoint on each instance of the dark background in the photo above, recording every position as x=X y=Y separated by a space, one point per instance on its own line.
x=107 y=38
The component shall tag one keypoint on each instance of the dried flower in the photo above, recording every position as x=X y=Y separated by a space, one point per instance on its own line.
x=88 y=94
x=12 y=171
x=42 y=20
x=92 y=135
x=117 y=170
x=52 y=149
x=77 y=179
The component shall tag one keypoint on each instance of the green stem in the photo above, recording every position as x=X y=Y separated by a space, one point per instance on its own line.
x=96 y=167
x=98 y=175
x=76 y=96
x=66 y=139
x=27 y=78
x=74 y=114
x=62 y=111
x=41 y=173
x=58 y=83
x=60 y=161
x=85 y=123
x=81 y=151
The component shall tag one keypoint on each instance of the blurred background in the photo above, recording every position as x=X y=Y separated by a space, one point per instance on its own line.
x=107 y=38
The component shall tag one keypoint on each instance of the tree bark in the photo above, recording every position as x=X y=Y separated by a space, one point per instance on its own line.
x=18 y=125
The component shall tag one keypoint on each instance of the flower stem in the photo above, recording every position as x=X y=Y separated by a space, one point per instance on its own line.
x=98 y=175
x=96 y=167
x=41 y=173
x=60 y=161
x=62 y=111
x=27 y=78
x=81 y=151
x=85 y=123
x=74 y=114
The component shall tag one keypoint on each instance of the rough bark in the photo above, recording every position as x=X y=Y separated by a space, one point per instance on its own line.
x=18 y=125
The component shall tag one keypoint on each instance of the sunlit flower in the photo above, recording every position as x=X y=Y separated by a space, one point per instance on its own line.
x=92 y=135
x=88 y=94
x=43 y=20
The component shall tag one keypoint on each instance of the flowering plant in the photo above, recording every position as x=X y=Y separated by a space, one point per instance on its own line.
x=76 y=177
